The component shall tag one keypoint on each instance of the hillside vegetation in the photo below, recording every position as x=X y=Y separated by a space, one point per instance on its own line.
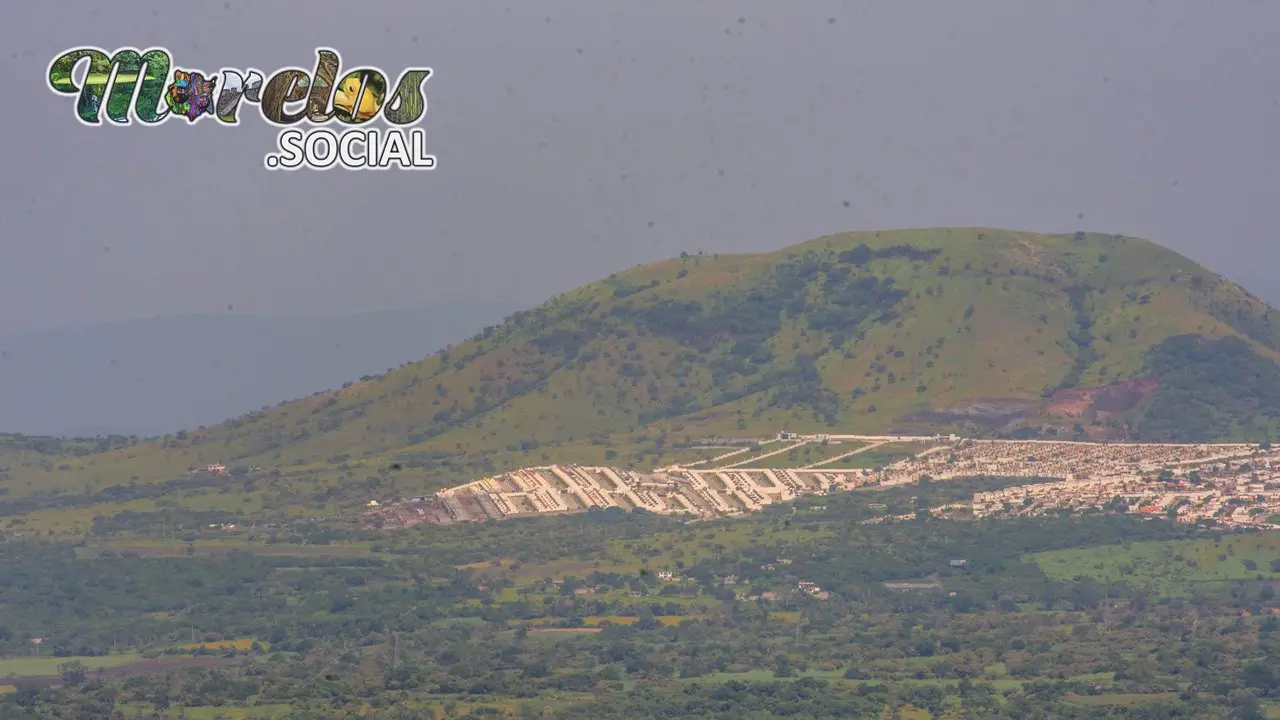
x=869 y=331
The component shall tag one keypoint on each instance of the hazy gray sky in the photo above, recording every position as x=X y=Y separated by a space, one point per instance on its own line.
x=564 y=129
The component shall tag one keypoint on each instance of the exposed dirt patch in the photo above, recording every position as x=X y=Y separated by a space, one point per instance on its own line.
x=933 y=582
x=1102 y=401
x=991 y=412
x=409 y=514
x=1087 y=404
x=1031 y=257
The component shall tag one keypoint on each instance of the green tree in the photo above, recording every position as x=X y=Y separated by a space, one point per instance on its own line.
x=72 y=673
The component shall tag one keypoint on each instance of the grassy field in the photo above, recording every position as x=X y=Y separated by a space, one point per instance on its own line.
x=1172 y=567
x=878 y=457
x=691 y=456
x=791 y=458
x=237 y=644
x=44 y=666
x=834 y=450
x=811 y=453
x=745 y=459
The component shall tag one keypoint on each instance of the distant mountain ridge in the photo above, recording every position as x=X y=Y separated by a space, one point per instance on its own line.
x=160 y=375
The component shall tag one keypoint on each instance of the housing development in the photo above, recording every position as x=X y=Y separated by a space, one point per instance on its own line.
x=1236 y=484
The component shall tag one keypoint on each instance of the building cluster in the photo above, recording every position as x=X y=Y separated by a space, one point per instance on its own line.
x=802 y=587
x=1243 y=491
x=555 y=489
x=812 y=589
x=214 y=469
x=1234 y=483
x=565 y=488
x=1055 y=459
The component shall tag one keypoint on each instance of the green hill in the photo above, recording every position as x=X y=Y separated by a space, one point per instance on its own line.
x=982 y=330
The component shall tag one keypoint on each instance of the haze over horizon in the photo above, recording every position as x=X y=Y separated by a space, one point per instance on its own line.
x=642 y=131
x=159 y=375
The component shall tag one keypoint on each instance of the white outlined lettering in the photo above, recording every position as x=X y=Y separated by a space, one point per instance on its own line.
x=355 y=149
x=131 y=86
